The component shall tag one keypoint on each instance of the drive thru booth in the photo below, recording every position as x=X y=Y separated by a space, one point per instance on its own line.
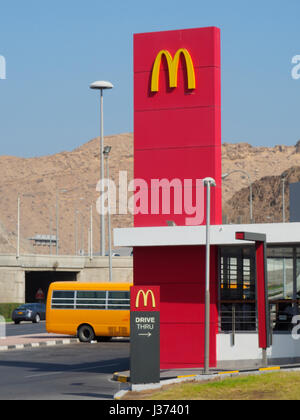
x=234 y=318
x=177 y=143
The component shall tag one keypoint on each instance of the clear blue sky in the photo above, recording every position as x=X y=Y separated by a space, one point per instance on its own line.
x=55 y=49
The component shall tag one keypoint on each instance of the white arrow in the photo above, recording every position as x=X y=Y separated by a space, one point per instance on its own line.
x=147 y=335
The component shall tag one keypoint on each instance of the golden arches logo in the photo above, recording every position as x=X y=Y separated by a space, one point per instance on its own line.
x=145 y=296
x=173 y=64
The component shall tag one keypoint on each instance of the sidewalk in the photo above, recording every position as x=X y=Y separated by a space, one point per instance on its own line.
x=35 y=340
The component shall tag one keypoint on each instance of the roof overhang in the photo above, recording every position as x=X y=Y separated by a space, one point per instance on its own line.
x=276 y=233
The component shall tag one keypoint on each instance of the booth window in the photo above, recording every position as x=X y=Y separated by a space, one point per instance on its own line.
x=283 y=285
x=237 y=289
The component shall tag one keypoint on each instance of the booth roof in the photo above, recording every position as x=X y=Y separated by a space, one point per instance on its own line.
x=277 y=233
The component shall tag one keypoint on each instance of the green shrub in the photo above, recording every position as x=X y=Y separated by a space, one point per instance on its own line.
x=6 y=309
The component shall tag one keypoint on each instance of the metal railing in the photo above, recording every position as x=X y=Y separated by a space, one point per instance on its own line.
x=237 y=316
x=241 y=316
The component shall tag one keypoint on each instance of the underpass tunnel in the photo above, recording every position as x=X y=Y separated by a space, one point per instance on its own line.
x=37 y=281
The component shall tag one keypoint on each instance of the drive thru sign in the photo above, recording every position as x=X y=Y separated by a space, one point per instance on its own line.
x=145 y=335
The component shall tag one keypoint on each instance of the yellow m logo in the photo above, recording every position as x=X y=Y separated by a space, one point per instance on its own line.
x=145 y=296
x=173 y=69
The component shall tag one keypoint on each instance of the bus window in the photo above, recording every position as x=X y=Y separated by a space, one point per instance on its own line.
x=118 y=300
x=63 y=299
x=91 y=300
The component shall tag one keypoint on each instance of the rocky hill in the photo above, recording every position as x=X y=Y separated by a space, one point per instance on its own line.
x=266 y=167
x=67 y=178
x=267 y=200
x=70 y=179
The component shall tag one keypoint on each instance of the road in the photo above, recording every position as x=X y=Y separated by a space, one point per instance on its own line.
x=25 y=328
x=71 y=372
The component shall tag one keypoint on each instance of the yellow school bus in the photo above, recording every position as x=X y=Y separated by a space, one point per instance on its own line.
x=89 y=310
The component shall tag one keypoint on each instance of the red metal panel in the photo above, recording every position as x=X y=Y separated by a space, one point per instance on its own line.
x=188 y=353
x=179 y=272
x=187 y=165
x=261 y=295
x=192 y=215
x=196 y=127
x=182 y=163
x=203 y=44
x=178 y=131
x=207 y=91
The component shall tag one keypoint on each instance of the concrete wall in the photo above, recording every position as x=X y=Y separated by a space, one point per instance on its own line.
x=99 y=273
x=12 y=285
x=12 y=271
x=245 y=351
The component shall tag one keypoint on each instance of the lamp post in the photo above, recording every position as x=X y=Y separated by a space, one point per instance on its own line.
x=76 y=232
x=224 y=176
x=19 y=222
x=91 y=232
x=76 y=227
x=79 y=236
x=283 y=199
x=208 y=183
x=57 y=217
x=18 y=229
x=106 y=152
x=101 y=85
x=50 y=231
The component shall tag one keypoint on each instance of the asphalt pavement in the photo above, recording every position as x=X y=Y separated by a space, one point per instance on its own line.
x=72 y=372
x=25 y=328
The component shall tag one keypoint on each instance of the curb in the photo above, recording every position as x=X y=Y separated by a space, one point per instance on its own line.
x=125 y=379
x=120 y=377
x=40 y=344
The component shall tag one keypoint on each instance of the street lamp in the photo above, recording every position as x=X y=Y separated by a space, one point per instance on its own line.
x=283 y=179
x=57 y=217
x=19 y=221
x=18 y=228
x=224 y=176
x=101 y=85
x=106 y=152
x=208 y=183
x=91 y=232
x=76 y=228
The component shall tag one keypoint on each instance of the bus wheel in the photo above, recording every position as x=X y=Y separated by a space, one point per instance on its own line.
x=85 y=333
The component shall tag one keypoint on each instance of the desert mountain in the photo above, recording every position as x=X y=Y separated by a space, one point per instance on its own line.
x=70 y=179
